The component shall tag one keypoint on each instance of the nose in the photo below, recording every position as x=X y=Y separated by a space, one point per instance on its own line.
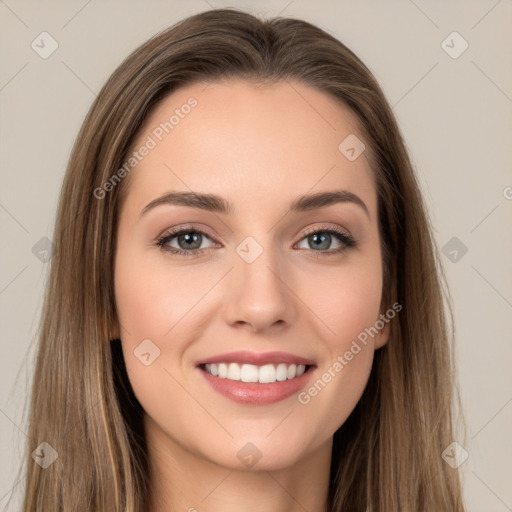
x=260 y=293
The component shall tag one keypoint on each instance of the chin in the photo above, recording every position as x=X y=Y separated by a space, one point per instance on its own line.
x=258 y=453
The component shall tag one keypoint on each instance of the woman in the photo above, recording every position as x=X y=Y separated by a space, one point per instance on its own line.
x=244 y=309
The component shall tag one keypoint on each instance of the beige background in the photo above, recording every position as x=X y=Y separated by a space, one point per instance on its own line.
x=456 y=115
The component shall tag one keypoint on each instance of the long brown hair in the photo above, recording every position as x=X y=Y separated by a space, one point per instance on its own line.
x=387 y=455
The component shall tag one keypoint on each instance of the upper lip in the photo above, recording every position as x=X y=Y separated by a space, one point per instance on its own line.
x=258 y=359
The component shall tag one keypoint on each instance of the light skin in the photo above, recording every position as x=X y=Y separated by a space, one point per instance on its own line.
x=259 y=147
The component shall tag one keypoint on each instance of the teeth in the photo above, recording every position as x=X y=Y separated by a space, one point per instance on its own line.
x=267 y=373
x=233 y=372
x=281 y=372
x=249 y=373
x=252 y=373
x=223 y=370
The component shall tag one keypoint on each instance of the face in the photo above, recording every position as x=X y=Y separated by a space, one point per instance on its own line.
x=249 y=321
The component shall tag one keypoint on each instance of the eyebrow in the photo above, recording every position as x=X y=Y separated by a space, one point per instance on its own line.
x=217 y=204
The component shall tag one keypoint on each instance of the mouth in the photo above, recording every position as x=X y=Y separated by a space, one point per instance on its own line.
x=268 y=373
x=257 y=379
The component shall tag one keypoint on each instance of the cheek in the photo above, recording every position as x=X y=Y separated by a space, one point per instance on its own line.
x=348 y=305
x=347 y=300
x=149 y=305
x=151 y=300
x=163 y=306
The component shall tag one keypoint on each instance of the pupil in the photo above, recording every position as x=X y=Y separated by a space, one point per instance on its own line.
x=325 y=242
x=187 y=237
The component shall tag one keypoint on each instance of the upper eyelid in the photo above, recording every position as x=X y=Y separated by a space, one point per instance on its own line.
x=185 y=229
x=326 y=228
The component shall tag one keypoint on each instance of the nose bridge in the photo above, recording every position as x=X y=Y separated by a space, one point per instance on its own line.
x=257 y=262
x=258 y=294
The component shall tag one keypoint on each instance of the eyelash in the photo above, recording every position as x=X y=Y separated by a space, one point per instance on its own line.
x=346 y=239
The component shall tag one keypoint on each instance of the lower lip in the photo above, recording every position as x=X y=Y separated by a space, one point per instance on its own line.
x=255 y=393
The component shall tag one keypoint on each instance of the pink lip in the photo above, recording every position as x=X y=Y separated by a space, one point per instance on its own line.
x=254 y=393
x=245 y=357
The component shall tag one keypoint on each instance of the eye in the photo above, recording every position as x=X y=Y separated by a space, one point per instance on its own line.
x=189 y=241
x=321 y=239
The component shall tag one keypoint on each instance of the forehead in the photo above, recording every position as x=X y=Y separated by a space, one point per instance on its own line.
x=257 y=141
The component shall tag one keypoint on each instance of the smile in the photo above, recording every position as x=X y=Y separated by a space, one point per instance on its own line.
x=257 y=378
x=265 y=374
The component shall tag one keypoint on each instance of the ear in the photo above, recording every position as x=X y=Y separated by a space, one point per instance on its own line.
x=382 y=337
x=387 y=313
